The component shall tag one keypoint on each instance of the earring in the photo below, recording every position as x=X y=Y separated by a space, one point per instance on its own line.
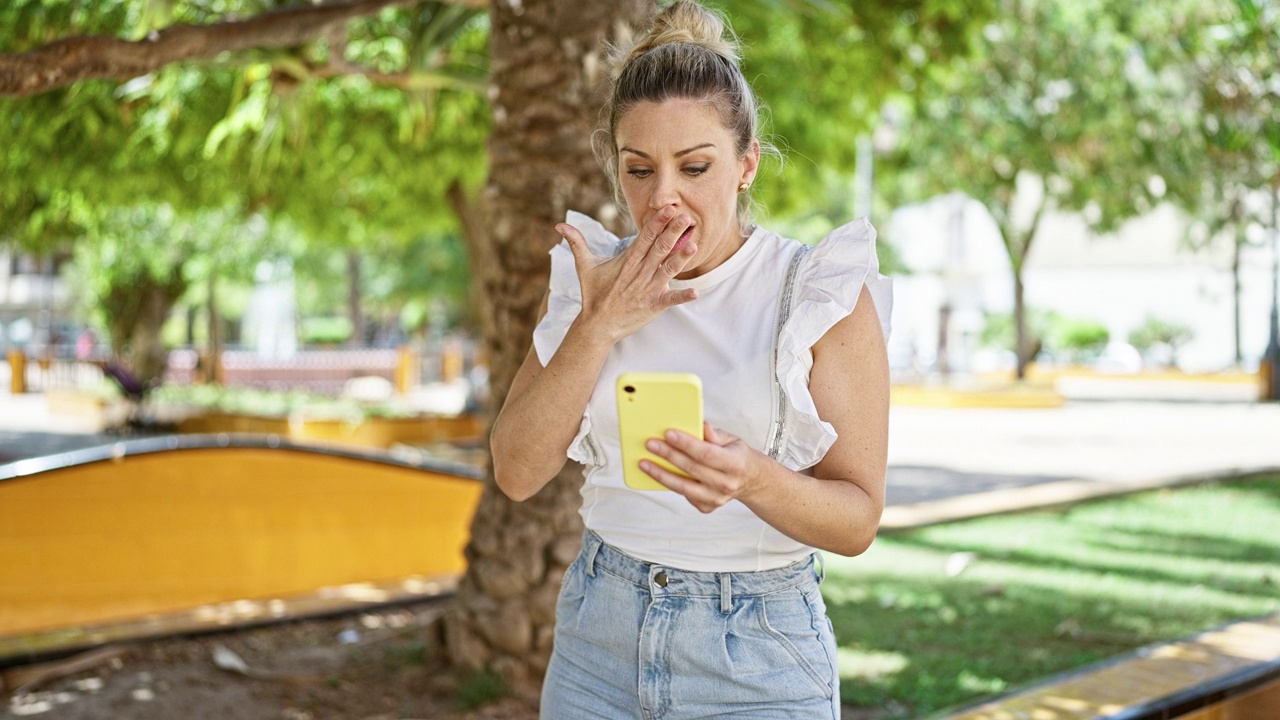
x=743 y=187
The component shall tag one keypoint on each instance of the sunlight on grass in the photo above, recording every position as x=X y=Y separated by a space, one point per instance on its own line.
x=869 y=666
x=945 y=615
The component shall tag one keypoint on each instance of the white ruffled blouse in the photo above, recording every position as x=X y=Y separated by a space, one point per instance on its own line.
x=749 y=337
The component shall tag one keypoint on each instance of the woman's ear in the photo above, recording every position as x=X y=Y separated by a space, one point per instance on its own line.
x=751 y=162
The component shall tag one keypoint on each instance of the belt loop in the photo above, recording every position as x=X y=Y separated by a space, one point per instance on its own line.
x=819 y=568
x=593 y=546
x=726 y=594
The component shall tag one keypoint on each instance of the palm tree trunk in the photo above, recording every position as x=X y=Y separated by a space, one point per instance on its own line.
x=547 y=73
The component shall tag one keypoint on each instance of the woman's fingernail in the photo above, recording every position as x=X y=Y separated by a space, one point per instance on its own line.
x=653 y=446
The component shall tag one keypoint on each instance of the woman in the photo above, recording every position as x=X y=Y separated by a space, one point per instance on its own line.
x=702 y=601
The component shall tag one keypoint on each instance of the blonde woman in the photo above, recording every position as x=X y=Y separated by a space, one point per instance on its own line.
x=702 y=601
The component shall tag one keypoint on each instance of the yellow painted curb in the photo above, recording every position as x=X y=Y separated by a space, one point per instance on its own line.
x=1012 y=396
x=1173 y=673
x=1049 y=375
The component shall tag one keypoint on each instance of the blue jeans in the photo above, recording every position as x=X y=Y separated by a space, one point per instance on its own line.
x=636 y=640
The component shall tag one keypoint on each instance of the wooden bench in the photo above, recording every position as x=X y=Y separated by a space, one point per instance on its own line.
x=1228 y=673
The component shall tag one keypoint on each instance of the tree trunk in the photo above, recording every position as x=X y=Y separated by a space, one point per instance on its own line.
x=546 y=89
x=213 y=374
x=150 y=357
x=1018 y=245
x=1021 y=343
x=1237 y=248
x=136 y=310
x=354 y=291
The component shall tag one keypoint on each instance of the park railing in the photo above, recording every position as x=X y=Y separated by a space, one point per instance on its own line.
x=447 y=366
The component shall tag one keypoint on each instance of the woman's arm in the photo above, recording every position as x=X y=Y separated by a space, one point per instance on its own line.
x=543 y=409
x=839 y=508
x=542 y=413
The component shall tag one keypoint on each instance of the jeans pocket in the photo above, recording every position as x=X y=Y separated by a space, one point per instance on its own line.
x=798 y=625
x=572 y=592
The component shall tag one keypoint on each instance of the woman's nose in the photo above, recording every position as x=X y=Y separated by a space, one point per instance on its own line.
x=664 y=194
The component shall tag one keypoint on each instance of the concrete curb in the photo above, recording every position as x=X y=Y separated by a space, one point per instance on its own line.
x=1045 y=495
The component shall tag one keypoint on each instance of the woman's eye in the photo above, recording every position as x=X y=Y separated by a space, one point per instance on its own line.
x=696 y=170
x=639 y=172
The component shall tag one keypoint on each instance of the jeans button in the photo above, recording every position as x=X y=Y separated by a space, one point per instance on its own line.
x=660 y=579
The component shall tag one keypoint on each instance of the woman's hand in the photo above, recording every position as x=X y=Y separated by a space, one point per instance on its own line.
x=621 y=295
x=720 y=468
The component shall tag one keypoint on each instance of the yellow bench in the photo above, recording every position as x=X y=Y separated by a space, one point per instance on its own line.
x=181 y=533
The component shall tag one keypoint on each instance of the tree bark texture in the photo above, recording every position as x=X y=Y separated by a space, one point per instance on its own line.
x=546 y=89
x=68 y=60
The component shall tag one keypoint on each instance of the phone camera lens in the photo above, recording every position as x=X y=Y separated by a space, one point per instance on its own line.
x=629 y=388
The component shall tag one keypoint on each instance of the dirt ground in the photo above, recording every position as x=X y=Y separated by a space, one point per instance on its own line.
x=375 y=665
x=371 y=666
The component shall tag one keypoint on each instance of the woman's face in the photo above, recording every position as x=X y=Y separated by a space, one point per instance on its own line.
x=677 y=152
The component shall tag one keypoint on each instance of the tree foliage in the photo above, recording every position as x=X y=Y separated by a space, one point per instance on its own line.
x=1042 y=117
x=357 y=155
x=136 y=263
x=824 y=70
x=265 y=130
x=352 y=138
x=1222 y=59
x=1225 y=58
x=1156 y=333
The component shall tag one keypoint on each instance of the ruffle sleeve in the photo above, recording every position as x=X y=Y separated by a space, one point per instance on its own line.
x=564 y=302
x=827 y=286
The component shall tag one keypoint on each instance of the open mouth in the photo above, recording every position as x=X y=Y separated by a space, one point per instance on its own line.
x=684 y=238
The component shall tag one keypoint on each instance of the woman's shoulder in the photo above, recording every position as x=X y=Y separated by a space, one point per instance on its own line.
x=856 y=230
x=829 y=280
x=850 y=246
x=828 y=285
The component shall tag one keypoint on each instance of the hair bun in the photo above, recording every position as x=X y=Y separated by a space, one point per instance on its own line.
x=689 y=53
x=689 y=23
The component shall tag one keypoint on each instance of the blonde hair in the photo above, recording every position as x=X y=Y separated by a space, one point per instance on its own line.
x=689 y=53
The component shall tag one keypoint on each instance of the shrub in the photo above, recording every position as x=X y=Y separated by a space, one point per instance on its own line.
x=326 y=330
x=1155 y=335
x=1080 y=339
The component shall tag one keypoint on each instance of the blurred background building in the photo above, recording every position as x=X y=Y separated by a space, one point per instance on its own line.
x=959 y=279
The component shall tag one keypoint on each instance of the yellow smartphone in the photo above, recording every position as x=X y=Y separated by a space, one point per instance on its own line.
x=649 y=404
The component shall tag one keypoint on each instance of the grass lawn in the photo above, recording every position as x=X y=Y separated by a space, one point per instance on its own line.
x=946 y=615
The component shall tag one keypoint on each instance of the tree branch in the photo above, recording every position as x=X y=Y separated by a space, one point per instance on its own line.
x=1031 y=230
x=69 y=60
x=409 y=81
